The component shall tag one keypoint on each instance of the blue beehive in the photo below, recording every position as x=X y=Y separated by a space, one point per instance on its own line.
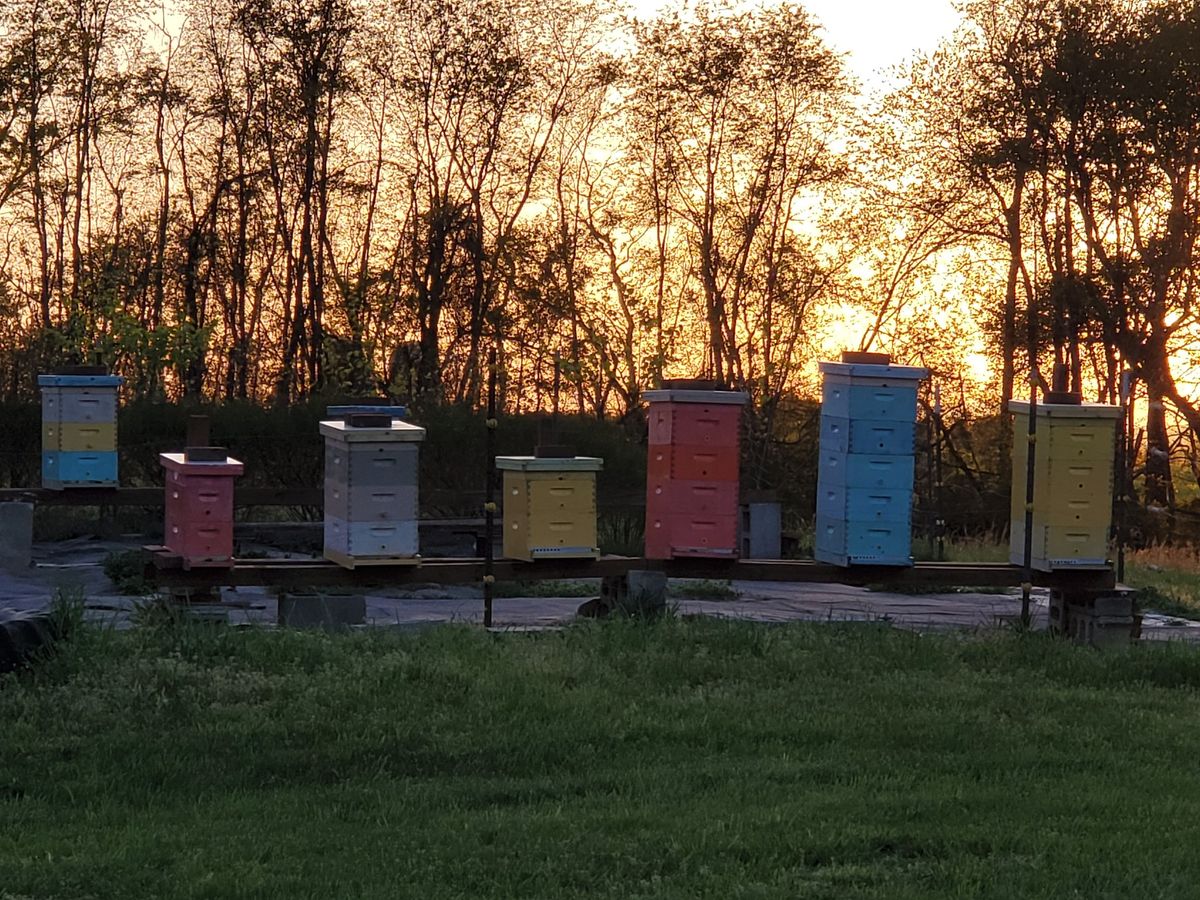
x=865 y=468
x=79 y=429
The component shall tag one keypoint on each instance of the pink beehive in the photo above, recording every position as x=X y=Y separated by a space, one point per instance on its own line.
x=692 y=472
x=199 y=505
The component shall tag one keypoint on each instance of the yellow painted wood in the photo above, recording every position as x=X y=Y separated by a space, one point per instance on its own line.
x=549 y=513
x=1073 y=489
x=73 y=437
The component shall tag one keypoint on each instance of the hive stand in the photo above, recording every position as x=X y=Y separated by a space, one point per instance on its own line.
x=865 y=467
x=550 y=506
x=371 y=464
x=692 y=473
x=199 y=505
x=1073 y=484
x=79 y=428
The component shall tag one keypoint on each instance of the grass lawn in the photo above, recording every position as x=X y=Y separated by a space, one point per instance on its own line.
x=621 y=760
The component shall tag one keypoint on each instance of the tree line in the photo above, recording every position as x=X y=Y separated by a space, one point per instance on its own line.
x=273 y=198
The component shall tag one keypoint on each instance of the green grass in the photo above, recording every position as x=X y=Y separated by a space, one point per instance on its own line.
x=571 y=587
x=1167 y=579
x=682 y=758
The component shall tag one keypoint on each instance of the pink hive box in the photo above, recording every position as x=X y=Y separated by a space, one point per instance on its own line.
x=199 y=509
x=692 y=473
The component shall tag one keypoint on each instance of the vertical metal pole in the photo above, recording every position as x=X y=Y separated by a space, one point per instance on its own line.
x=1124 y=488
x=1030 y=462
x=489 y=499
x=939 y=494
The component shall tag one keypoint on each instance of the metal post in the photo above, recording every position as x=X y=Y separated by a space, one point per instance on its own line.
x=489 y=500
x=939 y=497
x=1030 y=462
x=1122 y=494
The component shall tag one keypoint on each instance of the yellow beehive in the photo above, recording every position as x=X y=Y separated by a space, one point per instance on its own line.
x=549 y=506
x=1073 y=484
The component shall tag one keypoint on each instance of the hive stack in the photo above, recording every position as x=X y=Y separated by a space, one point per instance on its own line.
x=550 y=506
x=371 y=466
x=199 y=505
x=692 y=472
x=79 y=428
x=1073 y=484
x=865 y=469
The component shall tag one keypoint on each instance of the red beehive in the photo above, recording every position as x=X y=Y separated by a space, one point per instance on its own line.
x=199 y=505
x=692 y=472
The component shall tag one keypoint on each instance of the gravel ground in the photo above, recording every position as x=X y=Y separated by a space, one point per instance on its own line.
x=74 y=568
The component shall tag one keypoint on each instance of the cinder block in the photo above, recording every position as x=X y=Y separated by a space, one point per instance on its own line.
x=638 y=592
x=16 y=535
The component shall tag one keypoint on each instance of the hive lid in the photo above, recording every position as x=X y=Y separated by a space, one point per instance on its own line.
x=80 y=380
x=178 y=462
x=550 y=464
x=379 y=409
x=397 y=431
x=679 y=395
x=1068 y=410
x=873 y=370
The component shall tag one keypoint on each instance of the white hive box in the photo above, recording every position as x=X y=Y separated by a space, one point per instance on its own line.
x=371 y=492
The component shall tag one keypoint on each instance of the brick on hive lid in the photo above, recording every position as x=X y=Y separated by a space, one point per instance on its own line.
x=368 y=420
x=554 y=451
x=81 y=370
x=1063 y=398
x=864 y=358
x=205 y=454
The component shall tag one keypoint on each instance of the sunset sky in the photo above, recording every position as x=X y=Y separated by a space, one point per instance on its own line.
x=875 y=34
x=879 y=34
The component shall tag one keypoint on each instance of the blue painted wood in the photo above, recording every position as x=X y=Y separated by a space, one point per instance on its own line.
x=868 y=436
x=866 y=470
x=845 y=543
x=864 y=504
x=81 y=381
x=79 y=469
x=340 y=412
x=881 y=401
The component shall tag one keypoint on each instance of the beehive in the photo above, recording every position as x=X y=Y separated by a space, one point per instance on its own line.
x=371 y=465
x=549 y=506
x=1073 y=484
x=865 y=463
x=79 y=429
x=199 y=505
x=692 y=473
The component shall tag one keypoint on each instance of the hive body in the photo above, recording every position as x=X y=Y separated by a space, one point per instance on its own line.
x=199 y=509
x=79 y=430
x=1073 y=484
x=692 y=473
x=371 y=492
x=865 y=464
x=549 y=506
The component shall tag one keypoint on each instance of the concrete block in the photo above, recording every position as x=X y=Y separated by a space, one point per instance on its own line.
x=638 y=592
x=16 y=536
x=328 y=611
x=762 y=530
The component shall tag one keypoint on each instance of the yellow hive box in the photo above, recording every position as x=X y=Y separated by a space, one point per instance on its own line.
x=549 y=506
x=76 y=437
x=1073 y=484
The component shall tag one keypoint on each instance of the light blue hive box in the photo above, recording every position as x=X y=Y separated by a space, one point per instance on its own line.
x=865 y=466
